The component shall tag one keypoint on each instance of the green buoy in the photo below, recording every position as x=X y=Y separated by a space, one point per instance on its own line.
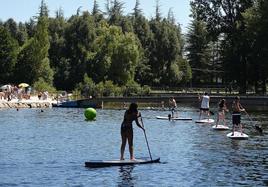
x=90 y=114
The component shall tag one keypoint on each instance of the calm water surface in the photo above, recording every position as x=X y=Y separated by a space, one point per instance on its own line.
x=49 y=149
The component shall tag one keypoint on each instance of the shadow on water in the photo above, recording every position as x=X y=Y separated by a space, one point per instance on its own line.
x=125 y=176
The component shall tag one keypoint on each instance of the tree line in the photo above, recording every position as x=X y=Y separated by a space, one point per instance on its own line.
x=225 y=44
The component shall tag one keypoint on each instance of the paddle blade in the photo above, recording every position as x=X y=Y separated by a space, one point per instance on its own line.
x=258 y=128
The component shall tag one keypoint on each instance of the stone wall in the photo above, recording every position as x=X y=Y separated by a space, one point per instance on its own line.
x=25 y=105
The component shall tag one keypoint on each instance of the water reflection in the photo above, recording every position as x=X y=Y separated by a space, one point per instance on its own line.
x=235 y=144
x=125 y=176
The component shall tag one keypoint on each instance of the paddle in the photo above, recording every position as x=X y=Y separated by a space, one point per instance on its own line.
x=146 y=139
x=257 y=127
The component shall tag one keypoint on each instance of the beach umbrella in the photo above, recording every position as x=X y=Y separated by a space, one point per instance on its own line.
x=7 y=86
x=23 y=85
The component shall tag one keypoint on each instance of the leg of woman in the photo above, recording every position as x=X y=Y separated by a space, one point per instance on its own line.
x=240 y=125
x=223 y=119
x=200 y=114
x=130 y=144
x=123 y=145
x=218 y=118
x=233 y=122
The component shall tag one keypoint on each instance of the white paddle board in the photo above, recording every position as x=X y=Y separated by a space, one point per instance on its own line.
x=237 y=135
x=175 y=118
x=205 y=121
x=107 y=163
x=220 y=127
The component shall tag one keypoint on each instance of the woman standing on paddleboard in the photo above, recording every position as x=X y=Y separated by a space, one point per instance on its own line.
x=236 y=115
x=130 y=115
x=221 y=112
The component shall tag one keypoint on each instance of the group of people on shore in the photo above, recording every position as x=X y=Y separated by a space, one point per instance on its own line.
x=14 y=92
x=11 y=92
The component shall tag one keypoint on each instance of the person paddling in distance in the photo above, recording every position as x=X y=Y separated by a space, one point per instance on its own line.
x=236 y=115
x=173 y=106
x=130 y=115
x=221 y=112
x=204 y=104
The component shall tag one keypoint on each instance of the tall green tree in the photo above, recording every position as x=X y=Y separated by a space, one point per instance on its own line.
x=166 y=51
x=8 y=55
x=17 y=31
x=117 y=56
x=257 y=29
x=224 y=17
x=198 y=52
x=142 y=30
x=115 y=13
x=12 y=27
x=58 y=61
x=96 y=12
x=33 y=62
x=79 y=41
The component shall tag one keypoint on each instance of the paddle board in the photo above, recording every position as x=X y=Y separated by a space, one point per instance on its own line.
x=220 y=127
x=107 y=163
x=205 y=121
x=238 y=136
x=176 y=118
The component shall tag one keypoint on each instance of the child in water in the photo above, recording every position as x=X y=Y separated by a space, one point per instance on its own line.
x=130 y=115
x=221 y=112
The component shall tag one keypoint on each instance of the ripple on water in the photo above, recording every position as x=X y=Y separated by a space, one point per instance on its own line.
x=49 y=149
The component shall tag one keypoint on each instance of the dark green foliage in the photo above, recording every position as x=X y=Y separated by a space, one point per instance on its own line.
x=58 y=60
x=30 y=28
x=41 y=86
x=115 y=13
x=79 y=37
x=198 y=51
x=165 y=53
x=224 y=18
x=116 y=56
x=33 y=62
x=137 y=10
x=8 y=56
x=257 y=29
x=87 y=87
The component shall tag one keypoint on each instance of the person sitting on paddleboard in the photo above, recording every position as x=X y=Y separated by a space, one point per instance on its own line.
x=173 y=106
x=221 y=112
x=130 y=115
x=236 y=115
x=204 y=104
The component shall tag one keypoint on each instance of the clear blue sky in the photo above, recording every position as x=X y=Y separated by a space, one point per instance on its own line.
x=23 y=10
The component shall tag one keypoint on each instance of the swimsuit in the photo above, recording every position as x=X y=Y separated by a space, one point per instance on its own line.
x=126 y=125
x=236 y=118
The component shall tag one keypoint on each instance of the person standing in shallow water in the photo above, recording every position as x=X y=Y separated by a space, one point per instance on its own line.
x=130 y=115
